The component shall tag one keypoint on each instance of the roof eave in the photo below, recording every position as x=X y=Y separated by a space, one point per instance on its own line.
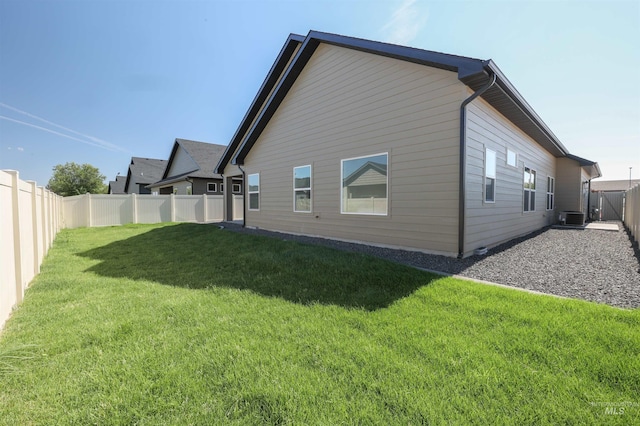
x=506 y=99
x=592 y=166
x=293 y=41
x=472 y=72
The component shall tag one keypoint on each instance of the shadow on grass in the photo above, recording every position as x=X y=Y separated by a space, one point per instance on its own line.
x=204 y=256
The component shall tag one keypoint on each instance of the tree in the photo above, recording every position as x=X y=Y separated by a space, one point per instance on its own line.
x=75 y=179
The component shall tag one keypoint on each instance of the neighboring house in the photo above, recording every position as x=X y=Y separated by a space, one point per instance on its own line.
x=117 y=186
x=441 y=152
x=613 y=185
x=189 y=170
x=143 y=172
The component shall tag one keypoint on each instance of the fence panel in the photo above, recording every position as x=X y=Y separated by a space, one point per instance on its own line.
x=185 y=207
x=154 y=209
x=25 y=209
x=29 y=221
x=215 y=208
x=75 y=211
x=8 y=272
x=238 y=207
x=109 y=210
x=632 y=212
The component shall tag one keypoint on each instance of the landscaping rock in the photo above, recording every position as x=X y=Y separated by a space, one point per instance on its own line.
x=595 y=265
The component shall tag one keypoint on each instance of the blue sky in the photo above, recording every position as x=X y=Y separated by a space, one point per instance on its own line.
x=100 y=81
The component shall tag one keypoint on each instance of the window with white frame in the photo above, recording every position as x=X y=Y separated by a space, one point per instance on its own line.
x=302 y=189
x=529 y=189
x=512 y=159
x=254 y=191
x=489 y=176
x=365 y=182
x=212 y=187
x=222 y=187
x=551 y=188
x=235 y=188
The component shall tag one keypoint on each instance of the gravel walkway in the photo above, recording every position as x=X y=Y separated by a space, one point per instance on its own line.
x=595 y=265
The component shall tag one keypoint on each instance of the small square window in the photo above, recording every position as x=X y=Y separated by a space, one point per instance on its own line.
x=212 y=187
x=512 y=158
x=235 y=188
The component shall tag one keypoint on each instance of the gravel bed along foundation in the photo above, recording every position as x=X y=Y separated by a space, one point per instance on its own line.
x=600 y=266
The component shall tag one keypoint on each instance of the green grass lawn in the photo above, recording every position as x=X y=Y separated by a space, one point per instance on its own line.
x=190 y=324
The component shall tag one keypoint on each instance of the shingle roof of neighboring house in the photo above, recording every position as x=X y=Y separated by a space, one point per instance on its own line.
x=144 y=171
x=613 y=185
x=117 y=186
x=475 y=73
x=205 y=155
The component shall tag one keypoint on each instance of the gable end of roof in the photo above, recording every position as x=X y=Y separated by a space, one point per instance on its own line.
x=278 y=67
x=472 y=72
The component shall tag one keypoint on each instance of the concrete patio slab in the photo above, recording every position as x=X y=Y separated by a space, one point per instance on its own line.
x=600 y=226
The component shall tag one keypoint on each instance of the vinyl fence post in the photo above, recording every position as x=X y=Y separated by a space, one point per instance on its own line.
x=17 y=250
x=173 y=207
x=88 y=198
x=204 y=208
x=45 y=219
x=134 y=202
x=34 y=224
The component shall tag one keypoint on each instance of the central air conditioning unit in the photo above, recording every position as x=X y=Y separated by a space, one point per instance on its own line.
x=572 y=218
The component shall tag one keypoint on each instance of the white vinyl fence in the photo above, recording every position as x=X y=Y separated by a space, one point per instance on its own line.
x=632 y=212
x=108 y=210
x=30 y=218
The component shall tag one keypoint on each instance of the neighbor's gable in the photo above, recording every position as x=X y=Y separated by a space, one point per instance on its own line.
x=181 y=163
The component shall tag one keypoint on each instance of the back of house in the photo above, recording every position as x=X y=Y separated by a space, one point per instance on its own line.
x=389 y=145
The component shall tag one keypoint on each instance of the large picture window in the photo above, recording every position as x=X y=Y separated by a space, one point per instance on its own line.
x=529 y=204
x=254 y=191
x=489 y=176
x=551 y=188
x=302 y=189
x=364 y=188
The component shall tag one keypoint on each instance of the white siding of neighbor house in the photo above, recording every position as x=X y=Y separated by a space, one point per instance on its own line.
x=488 y=224
x=182 y=163
x=182 y=187
x=348 y=104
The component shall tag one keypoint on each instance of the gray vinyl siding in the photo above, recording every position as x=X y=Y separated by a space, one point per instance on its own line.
x=488 y=224
x=200 y=186
x=349 y=104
